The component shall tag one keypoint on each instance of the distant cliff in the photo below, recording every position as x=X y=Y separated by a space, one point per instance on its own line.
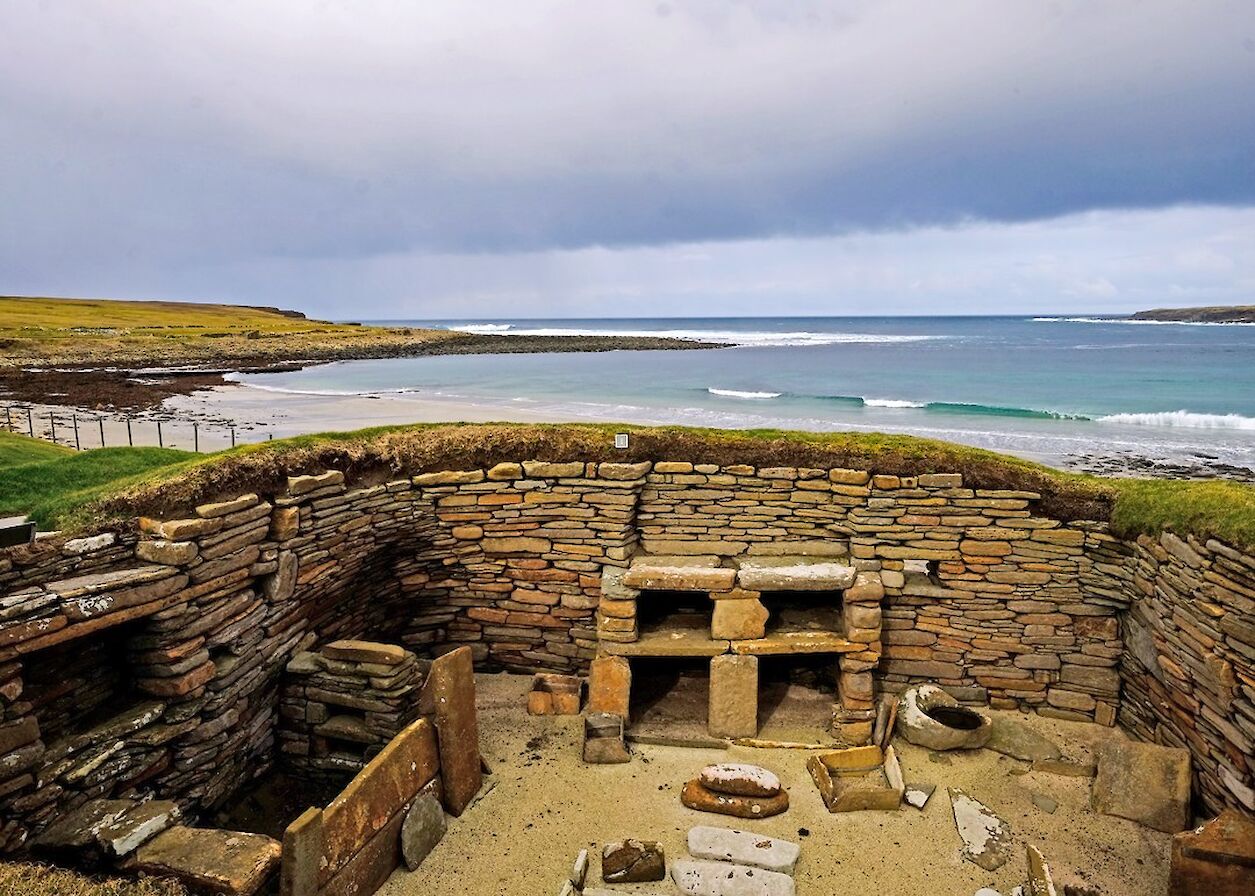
x=1216 y=314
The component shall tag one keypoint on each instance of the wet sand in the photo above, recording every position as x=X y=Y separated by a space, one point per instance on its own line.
x=545 y=805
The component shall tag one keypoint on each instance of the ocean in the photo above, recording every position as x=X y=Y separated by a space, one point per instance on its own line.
x=1049 y=388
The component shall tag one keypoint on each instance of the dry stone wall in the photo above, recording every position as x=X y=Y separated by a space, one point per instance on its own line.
x=984 y=593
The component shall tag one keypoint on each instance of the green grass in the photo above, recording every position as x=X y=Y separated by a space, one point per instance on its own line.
x=58 y=489
x=16 y=450
x=82 y=490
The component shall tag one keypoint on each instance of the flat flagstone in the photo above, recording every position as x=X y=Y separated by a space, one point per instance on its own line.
x=743 y=848
x=698 y=877
x=985 y=836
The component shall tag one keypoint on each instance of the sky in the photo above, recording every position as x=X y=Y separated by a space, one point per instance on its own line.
x=527 y=158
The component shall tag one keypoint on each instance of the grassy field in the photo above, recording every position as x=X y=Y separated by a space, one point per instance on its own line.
x=77 y=491
x=114 y=332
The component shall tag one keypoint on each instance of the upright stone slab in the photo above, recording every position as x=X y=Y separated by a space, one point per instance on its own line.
x=452 y=683
x=733 y=710
x=1145 y=783
x=610 y=686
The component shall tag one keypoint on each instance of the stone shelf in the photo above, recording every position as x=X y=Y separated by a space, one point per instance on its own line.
x=806 y=642
x=680 y=634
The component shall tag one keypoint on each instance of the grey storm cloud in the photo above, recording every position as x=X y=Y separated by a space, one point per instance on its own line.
x=153 y=138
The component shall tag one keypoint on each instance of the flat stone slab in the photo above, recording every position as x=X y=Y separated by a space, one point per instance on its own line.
x=365 y=652
x=137 y=826
x=210 y=860
x=1015 y=739
x=695 y=796
x=794 y=574
x=986 y=837
x=1145 y=783
x=740 y=779
x=788 y=643
x=743 y=848
x=699 y=877
x=686 y=636
x=680 y=578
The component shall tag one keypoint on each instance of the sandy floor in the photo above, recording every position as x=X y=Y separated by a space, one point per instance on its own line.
x=520 y=838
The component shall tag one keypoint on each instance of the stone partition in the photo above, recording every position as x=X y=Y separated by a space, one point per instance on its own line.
x=984 y=592
x=351 y=846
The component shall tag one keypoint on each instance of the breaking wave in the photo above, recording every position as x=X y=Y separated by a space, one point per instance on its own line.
x=1184 y=419
x=724 y=337
x=737 y=393
x=1148 y=323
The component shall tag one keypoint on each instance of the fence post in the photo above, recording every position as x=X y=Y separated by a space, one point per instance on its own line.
x=160 y=442
x=8 y=417
x=30 y=422
x=195 y=437
x=52 y=421
x=101 y=421
x=232 y=436
x=130 y=441
x=77 y=445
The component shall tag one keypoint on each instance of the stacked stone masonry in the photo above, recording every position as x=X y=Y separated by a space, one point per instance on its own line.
x=186 y=626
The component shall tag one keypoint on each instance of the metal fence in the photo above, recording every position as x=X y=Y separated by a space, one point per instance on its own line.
x=82 y=430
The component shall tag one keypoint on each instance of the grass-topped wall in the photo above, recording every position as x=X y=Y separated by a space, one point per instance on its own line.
x=77 y=491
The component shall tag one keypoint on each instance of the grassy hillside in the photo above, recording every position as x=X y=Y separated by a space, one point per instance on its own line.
x=16 y=450
x=84 y=490
x=52 y=484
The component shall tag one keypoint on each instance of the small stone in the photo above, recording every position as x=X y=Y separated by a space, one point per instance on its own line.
x=632 y=861
x=422 y=829
x=985 y=836
x=1040 y=882
x=1045 y=803
x=579 y=870
x=743 y=848
x=739 y=779
x=695 y=796
x=698 y=877
x=918 y=795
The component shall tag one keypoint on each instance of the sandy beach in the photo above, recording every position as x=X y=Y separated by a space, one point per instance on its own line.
x=220 y=417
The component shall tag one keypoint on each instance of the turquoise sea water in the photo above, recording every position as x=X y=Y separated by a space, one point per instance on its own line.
x=1044 y=387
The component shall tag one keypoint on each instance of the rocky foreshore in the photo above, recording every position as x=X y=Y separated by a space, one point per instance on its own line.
x=102 y=380
x=1215 y=314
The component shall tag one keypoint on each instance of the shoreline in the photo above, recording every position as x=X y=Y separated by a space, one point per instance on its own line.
x=217 y=416
x=144 y=384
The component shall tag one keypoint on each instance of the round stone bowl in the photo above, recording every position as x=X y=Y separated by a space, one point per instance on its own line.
x=929 y=717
